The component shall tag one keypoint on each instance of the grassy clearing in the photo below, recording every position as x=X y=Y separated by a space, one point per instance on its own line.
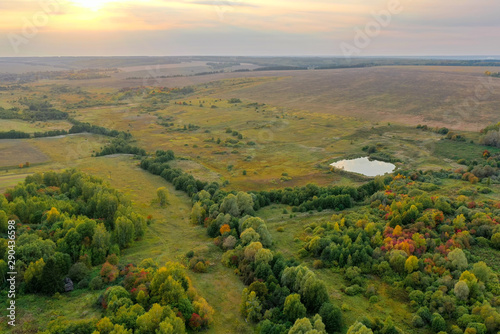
x=33 y=312
x=31 y=127
x=458 y=150
x=171 y=236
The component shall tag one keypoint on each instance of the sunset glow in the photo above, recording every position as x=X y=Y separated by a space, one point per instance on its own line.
x=241 y=27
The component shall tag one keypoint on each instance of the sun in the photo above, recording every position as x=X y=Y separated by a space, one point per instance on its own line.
x=94 y=5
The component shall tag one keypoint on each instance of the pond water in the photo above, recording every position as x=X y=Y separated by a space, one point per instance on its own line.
x=365 y=166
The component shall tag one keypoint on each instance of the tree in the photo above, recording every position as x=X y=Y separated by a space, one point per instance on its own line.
x=151 y=321
x=495 y=240
x=204 y=310
x=481 y=271
x=438 y=323
x=162 y=194
x=104 y=326
x=124 y=231
x=245 y=203
x=359 y=328
x=197 y=213
x=332 y=317
x=225 y=229
x=53 y=273
x=461 y=290
x=458 y=259
x=263 y=255
x=3 y=221
x=251 y=250
x=52 y=215
x=33 y=275
x=293 y=308
x=314 y=294
x=100 y=244
x=397 y=259
x=411 y=264
x=248 y=236
x=301 y=326
x=253 y=307
x=230 y=205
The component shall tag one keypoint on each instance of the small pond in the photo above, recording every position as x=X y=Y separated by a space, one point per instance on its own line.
x=365 y=166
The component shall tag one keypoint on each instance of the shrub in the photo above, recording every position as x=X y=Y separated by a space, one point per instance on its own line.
x=353 y=290
x=78 y=271
x=96 y=283
x=112 y=259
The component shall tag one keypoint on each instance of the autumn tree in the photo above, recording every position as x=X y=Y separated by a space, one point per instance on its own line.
x=411 y=264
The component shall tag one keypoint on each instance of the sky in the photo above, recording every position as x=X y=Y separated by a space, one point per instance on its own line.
x=249 y=27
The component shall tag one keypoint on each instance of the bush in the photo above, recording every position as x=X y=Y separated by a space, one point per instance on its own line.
x=112 y=259
x=78 y=271
x=96 y=283
x=438 y=323
x=418 y=322
x=353 y=290
x=373 y=299
x=318 y=264
x=83 y=284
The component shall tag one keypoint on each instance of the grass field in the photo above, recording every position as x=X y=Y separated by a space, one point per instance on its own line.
x=287 y=129
x=8 y=124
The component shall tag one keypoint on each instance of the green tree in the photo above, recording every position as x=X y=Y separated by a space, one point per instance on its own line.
x=461 y=290
x=314 y=294
x=438 y=324
x=458 y=259
x=253 y=307
x=53 y=273
x=33 y=275
x=230 y=205
x=100 y=244
x=124 y=231
x=197 y=213
x=162 y=194
x=359 y=328
x=245 y=203
x=495 y=240
x=301 y=326
x=293 y=308
x=332 y=317
x=3 y=221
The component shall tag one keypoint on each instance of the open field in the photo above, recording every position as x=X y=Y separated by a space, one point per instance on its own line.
x=261 y=131
x=410 y=95
x=7 y=125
